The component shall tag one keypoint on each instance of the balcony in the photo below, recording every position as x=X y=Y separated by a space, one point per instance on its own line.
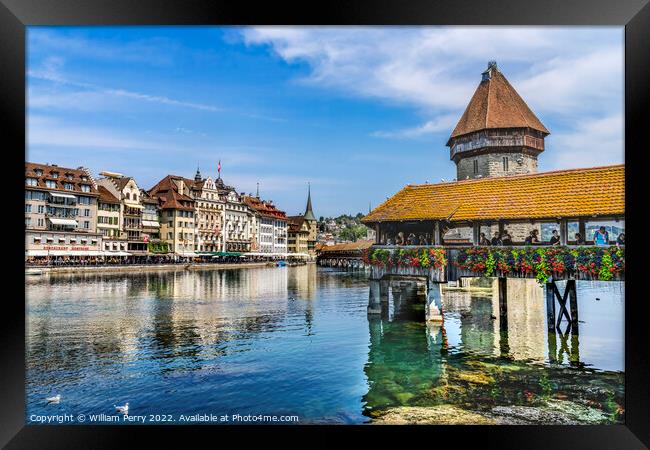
x=497 y=141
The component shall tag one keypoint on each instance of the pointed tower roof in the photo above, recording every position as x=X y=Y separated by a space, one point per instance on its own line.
x=309 y=214
x=496 y=104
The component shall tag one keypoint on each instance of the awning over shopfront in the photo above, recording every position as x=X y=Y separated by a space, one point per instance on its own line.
x=58 y=195
x=149 y=223
x=35 y=252
x=68 y=222
x=110 y=254
x=218 y=254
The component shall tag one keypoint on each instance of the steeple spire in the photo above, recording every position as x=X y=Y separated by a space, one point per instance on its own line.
x=258 y=190
x=198 y=176
x=309 y=214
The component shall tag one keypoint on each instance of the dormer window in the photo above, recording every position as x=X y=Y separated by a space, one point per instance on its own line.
x=85 y=188
x=84 y=178
x=54 y=174
x=50 y=184
x=31 y=182
x=68 y=176
x=38 y=172
x=68 y=186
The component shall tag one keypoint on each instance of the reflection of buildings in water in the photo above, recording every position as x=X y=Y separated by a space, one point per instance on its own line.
x=526 y=319
x=302 y=280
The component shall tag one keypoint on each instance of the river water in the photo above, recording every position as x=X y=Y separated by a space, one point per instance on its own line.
x=298 y=341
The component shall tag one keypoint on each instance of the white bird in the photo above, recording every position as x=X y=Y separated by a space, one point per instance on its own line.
x=55 y=399
x=122 y=409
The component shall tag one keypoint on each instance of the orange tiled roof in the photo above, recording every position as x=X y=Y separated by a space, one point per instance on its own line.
x=347 y=246
x=496 y=104
x=548 y=195
x=65 y=175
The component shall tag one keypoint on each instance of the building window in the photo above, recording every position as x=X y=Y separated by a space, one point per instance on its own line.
x=475 y=166
x=86 y=224
x=86 y=212
x=38 y=172
x=85 y=188
x=41 y=209
x=41 y=223
x=67 y=186
x=50 y=184
x=31 y=182
x=55 y=174
x=28 y=208
x=505 y=163
x=28 y=221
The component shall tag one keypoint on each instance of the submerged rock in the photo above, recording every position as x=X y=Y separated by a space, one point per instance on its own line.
x=430 y=415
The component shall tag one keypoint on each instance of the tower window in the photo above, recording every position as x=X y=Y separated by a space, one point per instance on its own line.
x=505 y=163
x=475 y=166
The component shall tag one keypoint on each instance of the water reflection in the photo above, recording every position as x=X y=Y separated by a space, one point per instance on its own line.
x=475 y=362
x=298 y=341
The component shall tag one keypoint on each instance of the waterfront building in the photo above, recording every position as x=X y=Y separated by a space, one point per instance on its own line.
x=109 y=223
x=151 y=225
x=303 y=230
x=60 y=212
x=269 y=226
x=208 y=213
x=127 y=191
x=495 y=146
x=177 y=218
x=298 y=235
x=236 y=219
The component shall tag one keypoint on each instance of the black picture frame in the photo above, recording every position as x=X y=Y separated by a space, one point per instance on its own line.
x=634 y=15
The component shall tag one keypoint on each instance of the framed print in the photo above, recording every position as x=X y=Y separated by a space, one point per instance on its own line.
x=373 y=219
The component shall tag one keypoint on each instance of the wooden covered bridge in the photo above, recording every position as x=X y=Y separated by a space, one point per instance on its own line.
x=580 y=199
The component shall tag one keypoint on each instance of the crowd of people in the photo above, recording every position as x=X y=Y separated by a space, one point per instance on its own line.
x=65 y=261
x=601 y=237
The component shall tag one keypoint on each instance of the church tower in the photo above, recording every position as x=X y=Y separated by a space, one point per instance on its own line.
x=497 y=135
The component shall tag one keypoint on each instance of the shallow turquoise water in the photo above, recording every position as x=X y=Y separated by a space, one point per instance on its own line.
x=298 y=341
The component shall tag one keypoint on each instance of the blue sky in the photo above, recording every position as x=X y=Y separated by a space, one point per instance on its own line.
x=357 y=111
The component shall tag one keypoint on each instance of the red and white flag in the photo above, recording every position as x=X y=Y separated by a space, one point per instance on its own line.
x=219 y=168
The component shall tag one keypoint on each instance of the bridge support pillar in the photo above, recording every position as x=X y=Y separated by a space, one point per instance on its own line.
x=374 y=300
x=384 y=286
x=433 y=309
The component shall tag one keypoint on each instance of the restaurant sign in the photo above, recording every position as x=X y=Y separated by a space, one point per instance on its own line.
x=65 y=247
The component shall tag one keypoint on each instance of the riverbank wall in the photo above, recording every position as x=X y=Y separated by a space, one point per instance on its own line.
x=130 y=268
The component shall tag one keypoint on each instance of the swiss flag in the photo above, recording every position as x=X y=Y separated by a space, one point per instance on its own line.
x=145 y=238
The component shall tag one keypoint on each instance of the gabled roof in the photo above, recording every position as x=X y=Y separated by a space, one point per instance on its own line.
x=549 y=195
x=169 y=197
x=105 y=196
x=263 y=208
x=59 y=182
x=496 y=104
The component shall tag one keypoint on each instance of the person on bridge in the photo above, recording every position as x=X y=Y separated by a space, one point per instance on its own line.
x=620 y=240
x=483 y=240
x=579 y=239
x=496 y=240
x=506 y=239
x=601 y=236
x=531 y=238
x=555 y=238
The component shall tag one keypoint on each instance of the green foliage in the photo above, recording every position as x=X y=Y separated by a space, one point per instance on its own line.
x=158 y=247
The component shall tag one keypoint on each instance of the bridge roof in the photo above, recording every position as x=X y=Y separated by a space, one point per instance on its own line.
x=595 y=191
x=346 y=247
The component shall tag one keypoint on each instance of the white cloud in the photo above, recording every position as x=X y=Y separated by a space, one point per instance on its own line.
x=51 y=70
x=436 y=125
x=595 y=142
x=564 y=74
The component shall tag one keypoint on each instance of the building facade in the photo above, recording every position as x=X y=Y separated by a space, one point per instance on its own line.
x=127 y=191
x=151 y=225
x=177 y=218
x=236 y=219
x=208 y=213
x=60 y=212
x=303 y=230
x=109 y=222
x=269 y=226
